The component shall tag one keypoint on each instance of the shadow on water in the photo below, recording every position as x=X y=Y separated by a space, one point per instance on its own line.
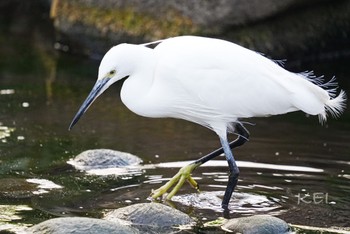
x=292 y=166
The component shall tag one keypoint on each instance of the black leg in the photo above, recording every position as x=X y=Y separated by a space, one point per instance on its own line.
x=231 y=185
x=243 y=136
x=233 y=176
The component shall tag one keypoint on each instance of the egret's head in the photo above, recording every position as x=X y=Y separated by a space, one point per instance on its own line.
x=113 y=67
x=116 y=65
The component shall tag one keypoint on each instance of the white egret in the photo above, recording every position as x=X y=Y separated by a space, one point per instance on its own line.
x=213 y=83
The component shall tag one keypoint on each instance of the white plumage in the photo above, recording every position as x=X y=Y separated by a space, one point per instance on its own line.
x=213 y=83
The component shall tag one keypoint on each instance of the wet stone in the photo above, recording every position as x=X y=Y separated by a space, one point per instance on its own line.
x=102 y=159
x=257 y=224
x=82 y=225
x=151 y=217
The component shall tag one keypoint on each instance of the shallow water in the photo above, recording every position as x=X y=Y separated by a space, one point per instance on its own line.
x=292 y=166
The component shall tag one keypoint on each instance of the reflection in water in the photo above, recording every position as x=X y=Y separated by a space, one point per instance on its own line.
x=5 y=132
x=7 y=91
x=43 y=185
x=129 y=171
x=11 y=213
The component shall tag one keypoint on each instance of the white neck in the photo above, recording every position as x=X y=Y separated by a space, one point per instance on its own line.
x=138 y=84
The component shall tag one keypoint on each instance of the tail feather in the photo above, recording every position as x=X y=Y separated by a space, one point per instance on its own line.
x=334 y=106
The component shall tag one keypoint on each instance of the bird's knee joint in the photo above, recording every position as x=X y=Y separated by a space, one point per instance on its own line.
x=234 y=174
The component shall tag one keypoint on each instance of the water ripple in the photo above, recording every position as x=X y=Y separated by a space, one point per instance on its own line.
x=246 y=164
x=243 y=203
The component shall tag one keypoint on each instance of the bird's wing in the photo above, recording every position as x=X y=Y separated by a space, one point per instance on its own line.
x=220 y=78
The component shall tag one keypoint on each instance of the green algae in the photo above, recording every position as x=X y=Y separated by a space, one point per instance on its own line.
x=127 y=20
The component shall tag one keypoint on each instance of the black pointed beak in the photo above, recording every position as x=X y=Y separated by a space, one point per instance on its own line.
x=98 y=88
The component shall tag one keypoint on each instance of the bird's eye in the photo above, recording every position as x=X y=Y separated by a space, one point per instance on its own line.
x=112 y=73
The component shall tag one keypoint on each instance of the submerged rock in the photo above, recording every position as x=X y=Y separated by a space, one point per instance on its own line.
x=103 y=159
x=16 y=188
x=257 y=224
x=81 y=225
x=151 y=217
x=25 y=188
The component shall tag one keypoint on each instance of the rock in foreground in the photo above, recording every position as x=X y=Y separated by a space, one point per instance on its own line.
x=81 y=225
x=257 y=224
x=151 y=217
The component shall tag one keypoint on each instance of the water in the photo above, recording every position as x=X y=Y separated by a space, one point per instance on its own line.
x=292 y=167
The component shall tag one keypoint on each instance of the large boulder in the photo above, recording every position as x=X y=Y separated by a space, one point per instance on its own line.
x=278 y=28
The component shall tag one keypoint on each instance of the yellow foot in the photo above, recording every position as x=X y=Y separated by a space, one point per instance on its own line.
x=179 y=179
